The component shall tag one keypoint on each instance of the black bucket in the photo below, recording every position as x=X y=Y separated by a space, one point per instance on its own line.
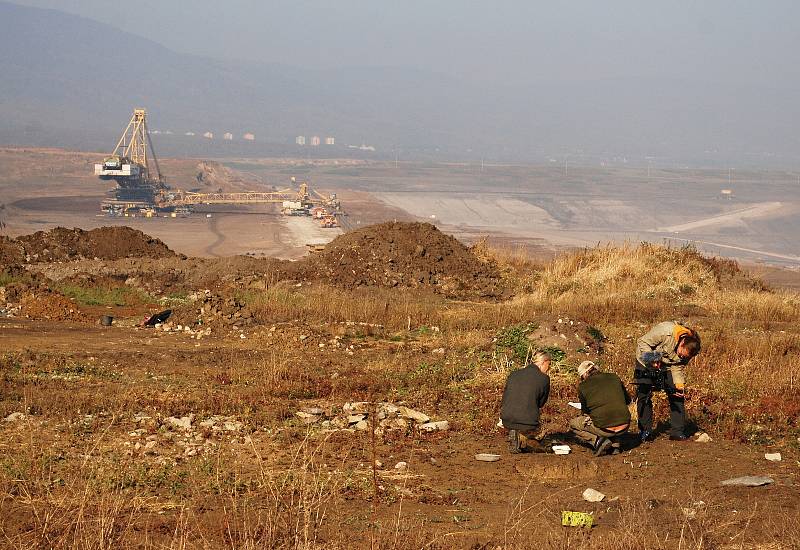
x=106 y=320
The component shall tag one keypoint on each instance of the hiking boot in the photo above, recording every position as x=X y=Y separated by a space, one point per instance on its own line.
x=514 y=446
x=601 y=446
x=645 y=436
x=534 y=446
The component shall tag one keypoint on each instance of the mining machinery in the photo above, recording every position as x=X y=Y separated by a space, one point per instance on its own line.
x=142 y=190
x=134 y=166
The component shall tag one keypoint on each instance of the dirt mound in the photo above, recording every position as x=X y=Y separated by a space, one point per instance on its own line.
x=405 y=255
x=215 y=178
x=10 y=251
x=51 y=306
x=106 y=243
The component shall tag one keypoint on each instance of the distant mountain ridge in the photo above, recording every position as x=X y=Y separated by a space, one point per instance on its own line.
x=70 y=78
x=68 y=81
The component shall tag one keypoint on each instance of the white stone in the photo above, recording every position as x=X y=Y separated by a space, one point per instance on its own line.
x=747 y=481
x=416 y=416
x=440 y=426
x=561 y=449
x=704 y=438
x=590 y=495
x=773 y=457
x=182 y=423
x=484 y=457
x=401 y=466
x=362 y=425
x=353 y=418
x=13 y=417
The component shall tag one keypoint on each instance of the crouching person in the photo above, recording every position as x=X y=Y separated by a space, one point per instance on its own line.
x=526 y=392
x=604 y=407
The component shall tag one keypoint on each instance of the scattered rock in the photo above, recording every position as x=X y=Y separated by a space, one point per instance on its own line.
x=416 y=416
x=13 y=417
x=232 y=426
x=561 y=449
x=704 y=438
x=440 y=426
x=182 y=423
x=487 y=457
x=747 y=481
x=773 y=457
x=401 y=466
x=590 y=495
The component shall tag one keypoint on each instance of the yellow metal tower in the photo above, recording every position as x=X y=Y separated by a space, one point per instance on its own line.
x=133 y=146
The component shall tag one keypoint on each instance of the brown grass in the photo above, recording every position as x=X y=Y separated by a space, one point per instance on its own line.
x=66 y=483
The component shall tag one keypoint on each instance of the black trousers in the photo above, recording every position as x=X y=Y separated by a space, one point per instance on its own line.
x=644 y=407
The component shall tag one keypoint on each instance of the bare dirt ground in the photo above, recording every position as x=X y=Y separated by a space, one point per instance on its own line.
x=250 y=418
x=125 y=382
x=42 y=189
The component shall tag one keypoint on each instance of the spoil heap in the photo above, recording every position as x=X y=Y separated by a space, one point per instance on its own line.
x=106 y=243
x=11 y=251
x=411 y=255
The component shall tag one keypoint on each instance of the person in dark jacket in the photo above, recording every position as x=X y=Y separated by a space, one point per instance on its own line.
x=526 y=392
x=604 y=404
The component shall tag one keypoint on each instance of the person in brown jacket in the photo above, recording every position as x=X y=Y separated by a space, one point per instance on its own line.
x=661 y=357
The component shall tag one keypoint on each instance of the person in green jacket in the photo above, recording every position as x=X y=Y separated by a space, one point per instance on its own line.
x=604 y=404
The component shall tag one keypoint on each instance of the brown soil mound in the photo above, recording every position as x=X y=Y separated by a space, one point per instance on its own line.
x=10 y=251
x=216 y=178
x=404 y=255
x=50 y=305
x=106 y=243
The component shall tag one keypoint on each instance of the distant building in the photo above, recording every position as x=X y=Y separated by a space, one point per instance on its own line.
x=209 y=135
x=315 y=141
x=227 y=136
x=330 y=141
x=362 y=147
x=300 y=140
x=249 y=137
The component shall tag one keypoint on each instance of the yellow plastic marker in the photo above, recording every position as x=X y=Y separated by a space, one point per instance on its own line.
x=576 y=519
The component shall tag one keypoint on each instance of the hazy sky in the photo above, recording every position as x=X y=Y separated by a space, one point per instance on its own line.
x=741 y=42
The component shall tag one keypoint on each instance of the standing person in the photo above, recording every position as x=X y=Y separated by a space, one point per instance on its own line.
x=661 y=357
x=604 y=408
x=526 y=392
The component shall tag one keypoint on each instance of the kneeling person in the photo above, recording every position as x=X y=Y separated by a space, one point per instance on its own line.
x=604 y=404
x=526 y=392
